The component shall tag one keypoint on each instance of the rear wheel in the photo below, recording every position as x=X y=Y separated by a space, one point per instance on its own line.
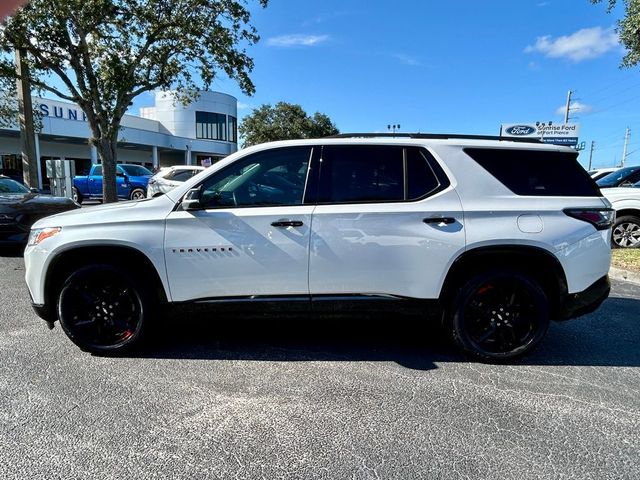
x=499 y=316
x=103 y=309
x=75 y=194
x=137 y=194
x=626 y=232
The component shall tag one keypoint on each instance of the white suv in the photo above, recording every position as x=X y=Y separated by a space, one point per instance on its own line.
x=491 y=237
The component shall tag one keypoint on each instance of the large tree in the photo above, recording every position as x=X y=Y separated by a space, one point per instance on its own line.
x=285 y=121
x=104 y=53
x=628 y=29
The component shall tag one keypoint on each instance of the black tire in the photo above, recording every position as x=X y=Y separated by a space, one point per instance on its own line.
x=499 y=316
x=626 y=232
x=104 y=310
x=137 y=194
x=76 y=195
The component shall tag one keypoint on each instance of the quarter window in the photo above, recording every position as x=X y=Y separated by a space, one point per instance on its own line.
x=270 y=178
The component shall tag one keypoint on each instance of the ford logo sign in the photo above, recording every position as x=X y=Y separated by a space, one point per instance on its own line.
x=520 y=130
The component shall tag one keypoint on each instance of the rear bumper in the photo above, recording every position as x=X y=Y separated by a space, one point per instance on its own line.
x=574 y=305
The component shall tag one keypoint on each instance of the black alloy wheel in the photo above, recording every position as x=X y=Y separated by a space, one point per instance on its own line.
x=499 y=316
x=103 y=309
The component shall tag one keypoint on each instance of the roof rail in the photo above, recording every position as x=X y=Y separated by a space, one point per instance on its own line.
x=436 y=136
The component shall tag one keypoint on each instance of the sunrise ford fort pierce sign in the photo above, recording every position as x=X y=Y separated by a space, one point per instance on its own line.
x=547 y=132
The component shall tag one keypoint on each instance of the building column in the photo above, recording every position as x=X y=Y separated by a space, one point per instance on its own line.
x=154 y=157
x=187 y=154
x=94 y=155
x=38 y=163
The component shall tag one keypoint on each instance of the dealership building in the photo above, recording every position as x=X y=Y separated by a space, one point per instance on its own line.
x=168 y=133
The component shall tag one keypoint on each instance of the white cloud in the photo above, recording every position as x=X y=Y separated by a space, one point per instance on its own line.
x=297 y=40
x=575 y=107
x=243 y=106
x=582 y=45
x=408 y=60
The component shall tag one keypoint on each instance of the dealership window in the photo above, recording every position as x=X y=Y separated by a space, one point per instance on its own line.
x=211 y=126
x=233 y=129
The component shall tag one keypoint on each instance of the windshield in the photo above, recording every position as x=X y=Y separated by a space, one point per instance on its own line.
x=614 y=178
x=12 y=187
x=135 y=170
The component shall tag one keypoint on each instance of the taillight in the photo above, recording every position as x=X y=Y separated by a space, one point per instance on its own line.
x=601 y=218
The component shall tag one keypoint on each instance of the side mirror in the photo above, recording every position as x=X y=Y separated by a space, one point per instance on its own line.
x=34 y=190
x=191 y=200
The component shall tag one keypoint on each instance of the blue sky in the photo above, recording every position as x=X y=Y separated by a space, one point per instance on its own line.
x=457 y=67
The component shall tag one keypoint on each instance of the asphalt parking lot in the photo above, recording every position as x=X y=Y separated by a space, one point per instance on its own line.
x=297 y=399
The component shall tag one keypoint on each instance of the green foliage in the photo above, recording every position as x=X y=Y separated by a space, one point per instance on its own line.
x=285 y=121
x=628 y=29
x=107 y=52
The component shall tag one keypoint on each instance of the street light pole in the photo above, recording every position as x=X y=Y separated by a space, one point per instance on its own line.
x=393 y=128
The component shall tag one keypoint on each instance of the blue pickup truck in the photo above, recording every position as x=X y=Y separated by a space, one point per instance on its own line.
x=131 y=183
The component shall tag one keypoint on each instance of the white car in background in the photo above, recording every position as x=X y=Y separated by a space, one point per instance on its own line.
x=626 y=202
x=169 y=178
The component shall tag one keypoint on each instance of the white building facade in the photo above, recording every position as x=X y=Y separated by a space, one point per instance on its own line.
x=168 y=133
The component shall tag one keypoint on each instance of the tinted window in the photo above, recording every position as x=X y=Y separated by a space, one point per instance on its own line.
x=11 y=186
x=351 y=174
x=536 y=172
x=619 y=176
x=135 y=170
x=181 y=175
x=421 y=179
x=98 y=170
x=273 y=177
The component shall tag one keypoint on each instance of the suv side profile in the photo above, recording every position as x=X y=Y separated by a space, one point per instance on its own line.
x=493 y=238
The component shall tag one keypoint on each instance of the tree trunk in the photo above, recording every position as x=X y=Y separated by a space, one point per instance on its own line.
x=107 y=152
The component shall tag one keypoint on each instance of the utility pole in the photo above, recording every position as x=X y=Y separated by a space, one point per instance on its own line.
x=568 y=107
x=25 y=119
x=624 y=150
x=593 y=144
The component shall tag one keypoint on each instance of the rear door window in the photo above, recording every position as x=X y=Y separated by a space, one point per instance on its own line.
x=536 y=172
x=377 y=173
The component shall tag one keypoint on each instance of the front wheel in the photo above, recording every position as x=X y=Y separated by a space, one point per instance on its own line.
x=499 y=316
x=626 y=232
x=103 y=309
x=137 y=194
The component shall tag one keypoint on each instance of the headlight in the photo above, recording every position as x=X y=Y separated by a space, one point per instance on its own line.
x=39 y=234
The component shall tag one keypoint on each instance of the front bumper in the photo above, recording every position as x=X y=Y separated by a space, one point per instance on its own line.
x=577 y=304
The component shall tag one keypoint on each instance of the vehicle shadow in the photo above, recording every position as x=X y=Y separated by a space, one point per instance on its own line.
x=299 y=339
x=11 y=251
x=608 y=337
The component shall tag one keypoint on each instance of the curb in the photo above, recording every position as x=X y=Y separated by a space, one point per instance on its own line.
x=625 y=275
